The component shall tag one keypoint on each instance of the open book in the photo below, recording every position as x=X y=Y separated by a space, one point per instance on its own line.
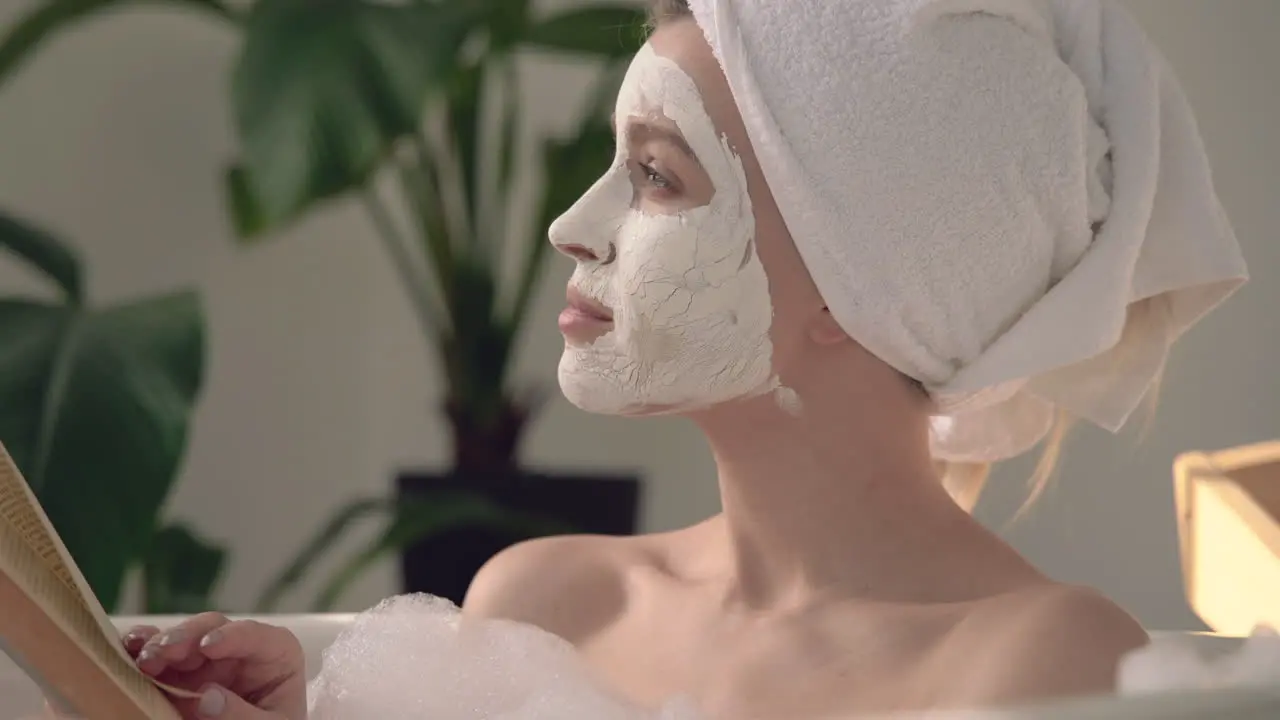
x=53 y=626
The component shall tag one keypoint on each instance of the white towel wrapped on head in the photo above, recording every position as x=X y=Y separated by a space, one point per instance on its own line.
x=1007 y=200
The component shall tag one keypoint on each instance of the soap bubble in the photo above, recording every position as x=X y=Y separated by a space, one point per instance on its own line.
x=1175 y=663
x=415 y=657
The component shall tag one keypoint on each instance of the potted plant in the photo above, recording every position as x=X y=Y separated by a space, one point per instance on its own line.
x=330 y=98
x=95 y=404
x=425 y=92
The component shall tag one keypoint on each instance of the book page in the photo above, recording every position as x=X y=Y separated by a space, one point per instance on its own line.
x=20 y=510
x=35 y=559
x=47 y=591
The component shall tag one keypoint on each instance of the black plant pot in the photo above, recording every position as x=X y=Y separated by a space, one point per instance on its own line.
x=444 y=564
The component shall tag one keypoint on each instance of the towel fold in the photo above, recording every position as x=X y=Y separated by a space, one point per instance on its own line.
x=1007 y=200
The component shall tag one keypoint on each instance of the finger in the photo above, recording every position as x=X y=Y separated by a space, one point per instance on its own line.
x=137 y=636
x=253 y=642
x=217 y=702
x=178 y=643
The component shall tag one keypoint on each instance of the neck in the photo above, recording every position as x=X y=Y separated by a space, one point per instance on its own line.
x=840 y=499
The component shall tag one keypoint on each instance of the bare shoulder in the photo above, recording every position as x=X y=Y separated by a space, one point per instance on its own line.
x=568 y=585
x=1052 y=640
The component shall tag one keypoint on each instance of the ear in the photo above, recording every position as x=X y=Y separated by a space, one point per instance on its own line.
x=824 y=329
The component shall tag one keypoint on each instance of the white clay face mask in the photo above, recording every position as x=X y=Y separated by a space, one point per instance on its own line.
x=689 y=297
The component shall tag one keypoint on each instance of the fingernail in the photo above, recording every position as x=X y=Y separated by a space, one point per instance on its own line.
x=211 y=638
x=147 y=653
x=212 y=702
x=171 y=638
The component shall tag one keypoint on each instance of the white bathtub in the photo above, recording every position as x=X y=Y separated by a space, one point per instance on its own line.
x=20 y=699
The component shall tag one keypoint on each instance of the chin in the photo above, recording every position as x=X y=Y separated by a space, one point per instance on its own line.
x=602 y=398
x=590 y=387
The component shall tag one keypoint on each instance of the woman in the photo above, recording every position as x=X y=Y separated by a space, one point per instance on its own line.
x=842 y=576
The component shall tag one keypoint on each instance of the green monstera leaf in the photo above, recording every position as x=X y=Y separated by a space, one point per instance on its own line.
x=180 y=572
x=602 y=31
x=31 y=32
x=322 y=91
x=94 y=406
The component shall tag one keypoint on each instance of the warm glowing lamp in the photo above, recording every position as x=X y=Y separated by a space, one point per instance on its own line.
x=1229 y=532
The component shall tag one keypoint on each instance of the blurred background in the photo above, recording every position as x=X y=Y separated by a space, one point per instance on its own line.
x=235 y=256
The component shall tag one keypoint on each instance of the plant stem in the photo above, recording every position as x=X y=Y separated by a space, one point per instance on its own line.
x=605 y=90
x=453 y=187
x=405 y=264
x=53 y=402
x=329 y=534
x=531 y=270
x=421 y=187
x=507 y=144
x=486 y=181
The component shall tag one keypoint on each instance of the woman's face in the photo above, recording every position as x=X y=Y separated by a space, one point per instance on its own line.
x=687 y=291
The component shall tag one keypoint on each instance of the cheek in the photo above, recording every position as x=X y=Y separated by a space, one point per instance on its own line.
x=685 y=269
x=657 y=265
x=654 y=247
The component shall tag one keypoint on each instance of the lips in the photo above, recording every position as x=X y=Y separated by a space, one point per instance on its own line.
x=587 y=307
x=584 y=320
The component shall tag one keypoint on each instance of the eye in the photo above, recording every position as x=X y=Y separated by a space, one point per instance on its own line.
x=656 y=178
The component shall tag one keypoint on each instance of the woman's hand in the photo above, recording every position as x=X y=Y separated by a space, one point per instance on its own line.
x=243 y=670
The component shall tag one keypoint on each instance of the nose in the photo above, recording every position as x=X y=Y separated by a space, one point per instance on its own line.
x=583 y=254
x=587 y=230
x=577 y=252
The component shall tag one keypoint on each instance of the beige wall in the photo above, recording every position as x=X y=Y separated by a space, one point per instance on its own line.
x=319 y=389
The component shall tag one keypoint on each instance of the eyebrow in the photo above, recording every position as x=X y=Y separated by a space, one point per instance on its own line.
x=665 y=133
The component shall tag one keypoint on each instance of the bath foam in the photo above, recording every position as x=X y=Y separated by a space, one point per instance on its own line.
x=1174 y=663
x=414 y=657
